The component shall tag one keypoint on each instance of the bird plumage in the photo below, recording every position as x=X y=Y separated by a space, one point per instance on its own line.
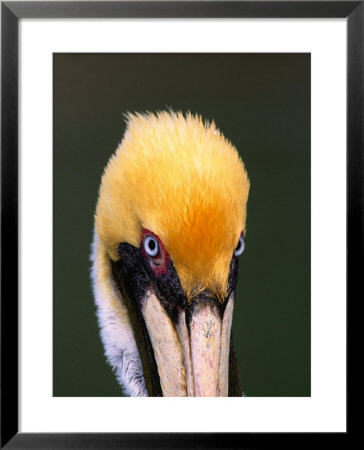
x=177 y=176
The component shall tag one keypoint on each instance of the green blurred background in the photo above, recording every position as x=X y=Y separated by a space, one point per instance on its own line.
x=261 y=102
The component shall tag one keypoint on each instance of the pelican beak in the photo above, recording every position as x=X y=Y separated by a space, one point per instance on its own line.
x=191 y=347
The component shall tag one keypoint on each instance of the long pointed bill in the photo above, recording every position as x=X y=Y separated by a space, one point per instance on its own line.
x=166 y=347
x=193 y=359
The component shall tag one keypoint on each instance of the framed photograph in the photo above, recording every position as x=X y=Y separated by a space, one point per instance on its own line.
x=163 y=165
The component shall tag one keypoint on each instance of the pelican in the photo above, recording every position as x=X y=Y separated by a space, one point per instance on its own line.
x=169 y=230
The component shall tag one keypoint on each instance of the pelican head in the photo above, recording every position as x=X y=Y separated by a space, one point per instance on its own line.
x=169 y=230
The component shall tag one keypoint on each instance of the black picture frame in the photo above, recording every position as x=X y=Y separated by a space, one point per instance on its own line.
x=11 y=12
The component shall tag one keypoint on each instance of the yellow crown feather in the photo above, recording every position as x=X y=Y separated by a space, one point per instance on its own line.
x=178 y=177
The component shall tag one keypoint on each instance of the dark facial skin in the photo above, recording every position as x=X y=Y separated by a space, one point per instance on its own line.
x=135 y=273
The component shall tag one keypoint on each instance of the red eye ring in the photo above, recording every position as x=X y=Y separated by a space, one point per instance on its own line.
x=156 y=255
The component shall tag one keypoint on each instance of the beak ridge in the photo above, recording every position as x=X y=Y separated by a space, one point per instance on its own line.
x=205 y=345
x=205 y=329
x=192 y=355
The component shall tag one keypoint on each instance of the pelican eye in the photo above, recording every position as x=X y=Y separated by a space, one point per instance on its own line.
x=151 y=246
x=240 y=247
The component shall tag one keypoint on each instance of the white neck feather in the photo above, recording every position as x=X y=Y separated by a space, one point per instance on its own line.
x=115 y=328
